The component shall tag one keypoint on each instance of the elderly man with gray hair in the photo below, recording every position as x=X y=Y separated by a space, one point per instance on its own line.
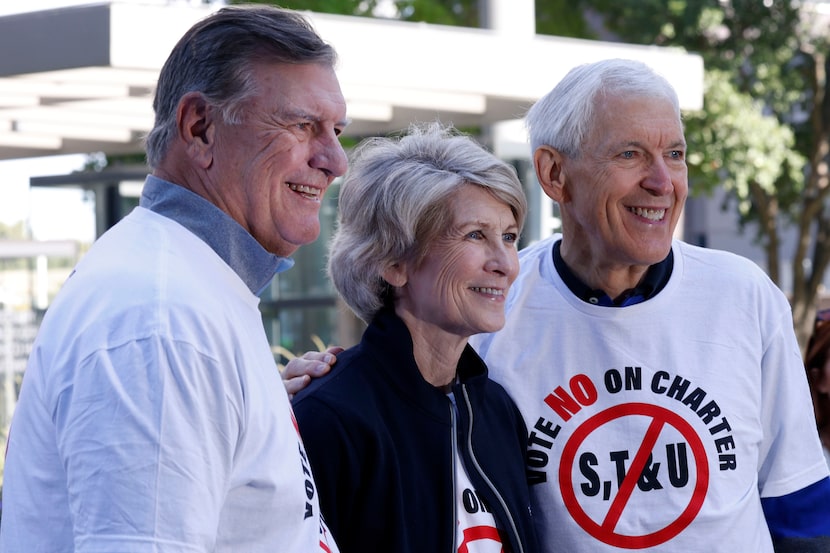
x=667 y=404
x=152 y=415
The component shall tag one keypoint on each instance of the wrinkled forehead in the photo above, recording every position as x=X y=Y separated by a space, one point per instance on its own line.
x=310 y=89
x=633 y=116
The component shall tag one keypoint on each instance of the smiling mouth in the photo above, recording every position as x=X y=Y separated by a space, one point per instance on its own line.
x=490 y=291
x=650 y=214
x=307 y=191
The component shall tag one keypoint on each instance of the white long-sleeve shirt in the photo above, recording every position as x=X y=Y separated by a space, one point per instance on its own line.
x=152 y=416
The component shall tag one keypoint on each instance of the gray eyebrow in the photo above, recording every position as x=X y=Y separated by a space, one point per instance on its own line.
x=315 y=119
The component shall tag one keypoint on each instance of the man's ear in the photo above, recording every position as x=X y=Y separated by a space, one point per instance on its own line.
x=395 y=275
x=549 y=170
x=197 y=129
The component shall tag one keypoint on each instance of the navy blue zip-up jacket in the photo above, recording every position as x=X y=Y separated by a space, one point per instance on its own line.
x=380 y=443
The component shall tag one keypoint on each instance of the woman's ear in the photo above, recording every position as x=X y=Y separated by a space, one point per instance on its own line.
x=395 y=275
x=197 y=128
x=547 y=161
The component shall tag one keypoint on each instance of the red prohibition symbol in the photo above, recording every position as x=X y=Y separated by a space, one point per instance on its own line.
x=605 y=530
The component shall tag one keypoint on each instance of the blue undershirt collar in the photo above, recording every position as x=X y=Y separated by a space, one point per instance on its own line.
x=654 y=280
x=254 y=265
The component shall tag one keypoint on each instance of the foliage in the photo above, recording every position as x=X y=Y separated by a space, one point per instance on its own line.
x=341 y=7
x=443 y=12
x=740 y=147
x=563 y=18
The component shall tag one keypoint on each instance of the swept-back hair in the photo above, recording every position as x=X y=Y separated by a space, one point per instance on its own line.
x=217 y=57
x=563 y=118
x=394 y=202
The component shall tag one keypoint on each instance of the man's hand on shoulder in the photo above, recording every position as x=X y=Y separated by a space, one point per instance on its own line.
x=313 y=364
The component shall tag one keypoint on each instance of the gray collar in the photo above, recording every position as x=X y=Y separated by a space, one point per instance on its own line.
x=254 y=265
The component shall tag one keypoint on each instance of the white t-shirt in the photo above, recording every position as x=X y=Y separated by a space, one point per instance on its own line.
x=149 y=420
x=660 y=425
x=477 y=531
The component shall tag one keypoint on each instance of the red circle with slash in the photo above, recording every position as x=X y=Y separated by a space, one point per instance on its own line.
x=604 y=531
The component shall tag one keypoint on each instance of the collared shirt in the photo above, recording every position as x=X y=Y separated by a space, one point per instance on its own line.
x=241 y=251
x=654 y=280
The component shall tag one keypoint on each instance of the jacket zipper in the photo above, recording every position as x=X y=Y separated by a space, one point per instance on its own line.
x=453 y=464
x=469 y=443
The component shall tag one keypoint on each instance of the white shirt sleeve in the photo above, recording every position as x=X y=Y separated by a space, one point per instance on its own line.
x=147 y=433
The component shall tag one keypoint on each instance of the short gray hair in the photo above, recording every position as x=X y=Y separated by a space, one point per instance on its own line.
x=217 y=57
x=394 y=202
x=563 y=117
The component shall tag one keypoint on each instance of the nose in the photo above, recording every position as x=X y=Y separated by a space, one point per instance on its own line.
x=504 y=260
x=330 y=156
x=659 y=178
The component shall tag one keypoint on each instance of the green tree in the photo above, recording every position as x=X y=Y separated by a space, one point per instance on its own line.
x=764 y=132
x=444 y=12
